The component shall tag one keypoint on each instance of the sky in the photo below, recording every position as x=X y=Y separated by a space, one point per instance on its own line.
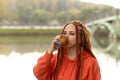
x=114 y=3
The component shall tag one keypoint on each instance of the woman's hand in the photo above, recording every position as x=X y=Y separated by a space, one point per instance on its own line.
x=52 y=47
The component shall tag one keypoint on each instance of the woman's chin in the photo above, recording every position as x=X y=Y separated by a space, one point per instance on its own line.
x=70 y=46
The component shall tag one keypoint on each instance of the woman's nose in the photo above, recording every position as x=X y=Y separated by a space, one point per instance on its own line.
x=67 y=36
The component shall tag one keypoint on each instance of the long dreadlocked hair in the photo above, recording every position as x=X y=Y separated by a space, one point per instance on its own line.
x=83 y=43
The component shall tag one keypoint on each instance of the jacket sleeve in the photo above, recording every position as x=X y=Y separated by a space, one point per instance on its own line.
x=44 y=67
x=94 y=71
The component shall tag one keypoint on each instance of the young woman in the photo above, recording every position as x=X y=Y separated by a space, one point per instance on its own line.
x=74 y=61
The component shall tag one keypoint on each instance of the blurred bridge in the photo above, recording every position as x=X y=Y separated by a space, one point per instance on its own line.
x=105 y=35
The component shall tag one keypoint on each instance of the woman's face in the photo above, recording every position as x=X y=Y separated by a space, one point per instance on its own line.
x=70 y=32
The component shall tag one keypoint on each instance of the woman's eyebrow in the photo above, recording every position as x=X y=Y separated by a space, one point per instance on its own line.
x=72 y=31
x=69 y=31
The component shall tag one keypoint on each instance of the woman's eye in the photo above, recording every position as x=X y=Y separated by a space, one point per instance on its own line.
x=63 y=33
x=72 y=34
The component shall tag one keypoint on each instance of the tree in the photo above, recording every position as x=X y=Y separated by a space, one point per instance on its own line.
x=40 y=17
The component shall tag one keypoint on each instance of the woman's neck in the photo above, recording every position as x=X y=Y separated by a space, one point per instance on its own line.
x=71 y=53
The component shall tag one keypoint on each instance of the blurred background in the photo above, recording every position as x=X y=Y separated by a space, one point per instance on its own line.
x=28 y=26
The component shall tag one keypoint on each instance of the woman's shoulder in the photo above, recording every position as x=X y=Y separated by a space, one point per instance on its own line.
x=89 y=58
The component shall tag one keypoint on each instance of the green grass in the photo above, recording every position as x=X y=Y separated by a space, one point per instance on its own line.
x=25 y=39
x=31 y=38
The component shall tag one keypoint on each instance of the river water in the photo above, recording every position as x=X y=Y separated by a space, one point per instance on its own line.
x=17 y=66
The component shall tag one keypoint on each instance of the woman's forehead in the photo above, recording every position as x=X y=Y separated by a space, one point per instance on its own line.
x=70 y=27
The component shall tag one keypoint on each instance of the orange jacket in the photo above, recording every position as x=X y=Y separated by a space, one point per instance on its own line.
x=43 y=70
